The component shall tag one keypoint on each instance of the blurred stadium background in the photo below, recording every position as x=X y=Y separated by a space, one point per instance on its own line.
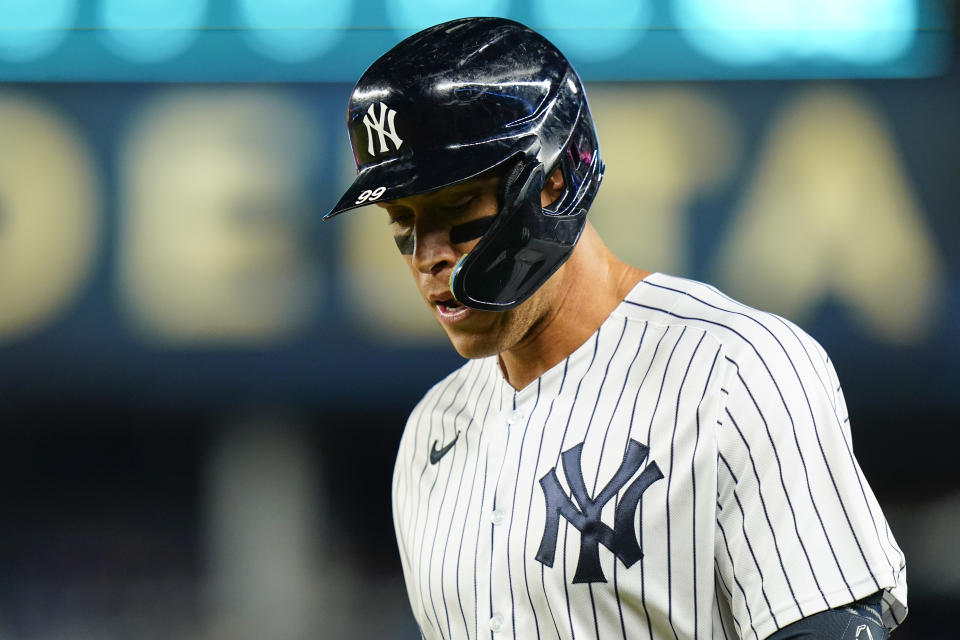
x=201 y=385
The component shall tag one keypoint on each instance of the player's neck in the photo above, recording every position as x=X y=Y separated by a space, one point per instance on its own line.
x=592 y=284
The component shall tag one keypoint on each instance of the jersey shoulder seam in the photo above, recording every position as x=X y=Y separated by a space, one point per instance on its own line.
x=725 y=325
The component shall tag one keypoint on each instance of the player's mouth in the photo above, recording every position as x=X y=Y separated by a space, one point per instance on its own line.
x=450 y=310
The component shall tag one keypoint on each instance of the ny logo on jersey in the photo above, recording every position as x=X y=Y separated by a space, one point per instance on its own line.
x=384 y=127
x=622 y=539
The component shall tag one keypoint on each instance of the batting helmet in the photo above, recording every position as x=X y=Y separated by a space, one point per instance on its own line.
x=464 y=97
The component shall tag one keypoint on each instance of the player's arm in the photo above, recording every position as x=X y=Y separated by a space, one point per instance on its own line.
x=860 y=620
x=799 y=529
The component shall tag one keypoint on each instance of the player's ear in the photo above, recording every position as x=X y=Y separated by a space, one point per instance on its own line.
x=552 y=189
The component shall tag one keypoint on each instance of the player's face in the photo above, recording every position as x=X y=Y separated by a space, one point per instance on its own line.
x=433 y=231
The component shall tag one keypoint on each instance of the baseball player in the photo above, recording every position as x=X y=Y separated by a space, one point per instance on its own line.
x=625 y=454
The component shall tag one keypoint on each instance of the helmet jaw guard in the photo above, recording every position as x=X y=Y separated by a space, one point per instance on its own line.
x=496 y=273
x=526 y=243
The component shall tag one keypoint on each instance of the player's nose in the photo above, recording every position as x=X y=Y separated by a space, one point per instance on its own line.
x=433 y=251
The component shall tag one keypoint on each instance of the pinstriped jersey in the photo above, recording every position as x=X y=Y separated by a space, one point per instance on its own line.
x=687 y=472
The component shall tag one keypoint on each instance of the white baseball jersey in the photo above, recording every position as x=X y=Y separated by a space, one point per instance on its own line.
x=686 y=473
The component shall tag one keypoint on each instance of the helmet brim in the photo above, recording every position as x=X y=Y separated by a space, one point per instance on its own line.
x=403 y=176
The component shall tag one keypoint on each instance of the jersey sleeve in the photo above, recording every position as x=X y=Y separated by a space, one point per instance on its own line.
x=798 y=528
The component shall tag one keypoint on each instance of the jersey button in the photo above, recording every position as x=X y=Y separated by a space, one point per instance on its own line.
x=515 y=417
x=497 y=516
x=496 y=623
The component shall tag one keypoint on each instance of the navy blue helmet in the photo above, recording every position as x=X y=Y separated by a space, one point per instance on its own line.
x=465 y=97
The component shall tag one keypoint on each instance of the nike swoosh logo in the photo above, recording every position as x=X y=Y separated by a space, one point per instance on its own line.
x=436 y=454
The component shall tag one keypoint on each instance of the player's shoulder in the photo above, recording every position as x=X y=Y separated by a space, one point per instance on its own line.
x=451 y=394
x=744 y=333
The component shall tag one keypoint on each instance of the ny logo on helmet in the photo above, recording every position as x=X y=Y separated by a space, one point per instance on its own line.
x=384 y=127
x=622 y=539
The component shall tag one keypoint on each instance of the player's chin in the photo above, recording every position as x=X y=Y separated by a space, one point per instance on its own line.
x=472 y=345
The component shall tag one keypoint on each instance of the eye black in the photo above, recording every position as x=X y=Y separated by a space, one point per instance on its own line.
x=404 y=243
x=471 y=230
